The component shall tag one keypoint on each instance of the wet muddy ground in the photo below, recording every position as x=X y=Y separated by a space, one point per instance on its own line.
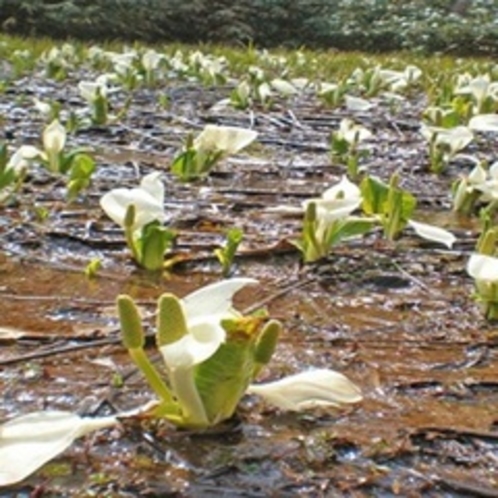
x=397 y=318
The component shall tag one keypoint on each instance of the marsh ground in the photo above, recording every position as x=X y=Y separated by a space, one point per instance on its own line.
x=396 y=317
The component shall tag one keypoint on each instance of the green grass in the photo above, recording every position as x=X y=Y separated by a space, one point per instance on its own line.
x=314 y=64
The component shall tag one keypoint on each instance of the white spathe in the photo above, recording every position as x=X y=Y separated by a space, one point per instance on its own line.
x=353 y=133
x=477 y=176
x=456 y=138
x=226 y=139
x=204 y=310
x=19 y=161
x=483 y=268
x=433 y=233
x=480 y=88
x=283 y=87
x=44 y=108
x=90 y=90
x=29 y=441
x=151 y=60
x=320 y=387
x=484 y=122
x=489 y=188
x=264 y=92
x=344 y=189
x=148 y=200
x=399 y=80
x=54 y=137
x=357 y=104
x=324 y=88
x=337 y=202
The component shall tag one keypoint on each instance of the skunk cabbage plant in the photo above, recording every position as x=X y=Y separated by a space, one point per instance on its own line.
x=212 y=355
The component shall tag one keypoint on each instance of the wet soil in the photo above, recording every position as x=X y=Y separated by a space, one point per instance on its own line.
x=397 y=318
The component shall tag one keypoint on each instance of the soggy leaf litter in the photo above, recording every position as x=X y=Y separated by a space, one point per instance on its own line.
x=397 y=318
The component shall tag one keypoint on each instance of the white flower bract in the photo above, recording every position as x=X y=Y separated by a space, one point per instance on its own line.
x=226 y=139
x=204 y=310
x=320 y=387
x=148 y=200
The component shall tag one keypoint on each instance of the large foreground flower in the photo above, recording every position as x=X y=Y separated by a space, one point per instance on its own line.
x=211 y=353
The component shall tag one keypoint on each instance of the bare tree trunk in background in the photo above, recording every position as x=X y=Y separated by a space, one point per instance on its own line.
x=461 y=6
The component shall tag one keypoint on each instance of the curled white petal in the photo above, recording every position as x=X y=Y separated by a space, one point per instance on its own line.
x=226 y=139
x=483 y=268
x=456 y=138
x=30 y=441
x=284 y=87
x=309 y=389
x=484 y=122
x=89 y=90
x=115 y=204
x=204 y=311
x=357 y=104
x=335 y=209
x=325 y=88
x=344 y=189
x=205 y=336
x=493 y=171
x=352 y=132
x=19 y=161
x=214 y=299
x=477 y=175
x=152 y=184
x=433 y=233
x=43 y=108
x=336 y=202
x=151 y=60
x=54 y=137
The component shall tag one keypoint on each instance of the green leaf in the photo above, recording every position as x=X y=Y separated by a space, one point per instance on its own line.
x=153 y=243
x=223 y=379
x=349 y=227
x=392 y=205
x=408 y=204
x=340 y=146
x=227 y=253
x=82 y=167
x=374 y=192
x=93 y=267
x=3 y=157
x=7 y=176
x=184 y=166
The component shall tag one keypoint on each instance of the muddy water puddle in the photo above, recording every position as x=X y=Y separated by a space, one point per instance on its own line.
x=429 y=383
